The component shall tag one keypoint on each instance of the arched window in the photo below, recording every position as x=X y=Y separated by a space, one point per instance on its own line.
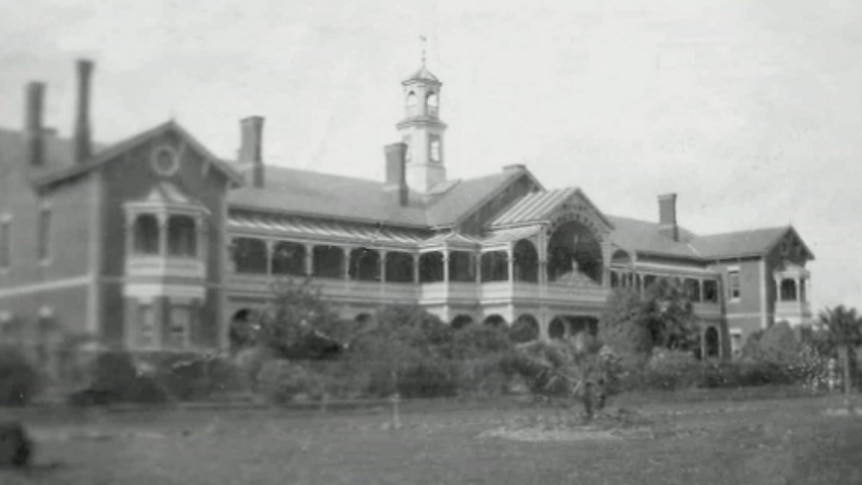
x=146 y=234
x=432 y=102
x=788 y=290
x=182 y=236
x=411 y=101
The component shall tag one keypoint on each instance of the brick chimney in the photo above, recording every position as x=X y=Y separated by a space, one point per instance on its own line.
x=83 y=135
x=396 y=174
x=251 y=150
x=667 y=216
x=33 y=126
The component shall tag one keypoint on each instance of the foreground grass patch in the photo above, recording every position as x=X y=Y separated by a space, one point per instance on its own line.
x=764 y=442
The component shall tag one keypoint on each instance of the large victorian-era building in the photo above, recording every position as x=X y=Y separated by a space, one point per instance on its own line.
x=154 y=242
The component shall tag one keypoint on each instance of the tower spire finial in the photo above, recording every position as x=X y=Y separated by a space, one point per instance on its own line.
x=424 y=41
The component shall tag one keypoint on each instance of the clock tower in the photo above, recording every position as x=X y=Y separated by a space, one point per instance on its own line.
x=422 y=131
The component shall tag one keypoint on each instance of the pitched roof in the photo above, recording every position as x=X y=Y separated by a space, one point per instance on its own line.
x=539 y=206
x=739 y=243
x=464 y=197
x=315 y=194
x=422 y=74
x=110 y=152
x=644 y=236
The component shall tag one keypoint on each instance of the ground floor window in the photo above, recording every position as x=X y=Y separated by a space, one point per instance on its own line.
x=146 y=326
x=179 y=327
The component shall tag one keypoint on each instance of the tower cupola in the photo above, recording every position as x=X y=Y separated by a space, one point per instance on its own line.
x=422 y=131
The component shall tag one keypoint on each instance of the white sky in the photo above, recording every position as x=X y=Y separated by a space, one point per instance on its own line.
x=750 y=110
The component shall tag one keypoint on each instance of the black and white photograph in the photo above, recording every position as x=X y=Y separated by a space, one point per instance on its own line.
x=430 y=242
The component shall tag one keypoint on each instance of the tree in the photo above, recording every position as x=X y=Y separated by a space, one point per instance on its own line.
x=845 y=329
x=662 y=316
x=297 y=322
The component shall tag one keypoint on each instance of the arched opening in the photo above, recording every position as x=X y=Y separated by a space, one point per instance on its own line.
x=364 y=265
x=526 y=261
x=288 y=258
x=399 y=267
x=494 y=320
x=146 y=234
x=461 y=267
x=557 y=328
x=431 y=267
x=461 y=321
x=583 y=323
x=432 y=102
x=363 y=318
x=788 y=290
x=411 y=102
x=495 y=266
x=525 y=329
x=182 y=236
x=328 y=262
x=249 y=255
x=242 y=332
x=574 y=254
x=711 y=342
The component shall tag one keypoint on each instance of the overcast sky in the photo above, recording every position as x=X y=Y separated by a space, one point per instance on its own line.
x=750 y=110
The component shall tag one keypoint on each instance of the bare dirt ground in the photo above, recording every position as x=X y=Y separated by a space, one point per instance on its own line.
x=787 y=441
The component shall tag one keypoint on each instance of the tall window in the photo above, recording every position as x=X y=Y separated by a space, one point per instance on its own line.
x=43 y=239
x=733 y=287
x=5 y=243
x=147 y=322
x=692 y=287
x=788 y=290
x=182 y=239
x=146 y=234
x=180 y=327
x=710 y=291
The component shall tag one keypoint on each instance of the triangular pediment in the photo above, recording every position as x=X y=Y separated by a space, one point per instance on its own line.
x=791 y=247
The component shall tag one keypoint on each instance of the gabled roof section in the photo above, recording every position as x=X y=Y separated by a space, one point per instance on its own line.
x=464 y=198
x=540 y=206
x=644 y=237
x=755 y=242
x=111 y=152
x=314 y=194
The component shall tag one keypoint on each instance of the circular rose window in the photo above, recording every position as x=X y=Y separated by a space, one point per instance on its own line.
x=165 y=161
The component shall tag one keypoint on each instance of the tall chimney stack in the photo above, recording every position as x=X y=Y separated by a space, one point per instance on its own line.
x=251 y=150
x=667 y=216
x=33 y=126
x=83 y=141
x=396 y=172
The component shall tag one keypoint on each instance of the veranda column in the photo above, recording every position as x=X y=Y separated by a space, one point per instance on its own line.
x=543 y=272
x=131 y=219
x=270 y=246
x=510 y=262
x=446 y=265
x=202 y=233
x=416 y=257
x=382 y=267
x=346 y=262
x=309 y=260
x=477 y=266
x=163 y=234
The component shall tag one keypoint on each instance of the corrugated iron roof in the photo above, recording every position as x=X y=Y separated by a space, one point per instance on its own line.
x=503 y=236
x=739 y=243
x=535 y=207
x=450 y=238
x=309 y=229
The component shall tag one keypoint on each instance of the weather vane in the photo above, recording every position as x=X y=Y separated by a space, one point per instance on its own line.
x=424 y=40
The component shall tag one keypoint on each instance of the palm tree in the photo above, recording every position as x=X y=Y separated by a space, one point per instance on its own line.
x=845 y=329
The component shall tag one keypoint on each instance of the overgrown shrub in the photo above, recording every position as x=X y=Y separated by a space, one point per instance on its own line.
x=523 y=330
x=190 y=376
x=19 y=379
x=113 y=377
x=249 y=362
x=476 y=341
x=282 y=382
x=488 y=375
x=666 y=371
x=427 y=377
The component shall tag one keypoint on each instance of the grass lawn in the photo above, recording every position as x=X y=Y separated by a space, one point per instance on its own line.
x=785 y=441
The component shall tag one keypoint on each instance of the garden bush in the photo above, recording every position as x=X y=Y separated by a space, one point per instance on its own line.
x=282 y=382
x=490 y=374
x=427 y=378
x=190 y=376
x=113 y=377
x=19 y=379
x=476 y=341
